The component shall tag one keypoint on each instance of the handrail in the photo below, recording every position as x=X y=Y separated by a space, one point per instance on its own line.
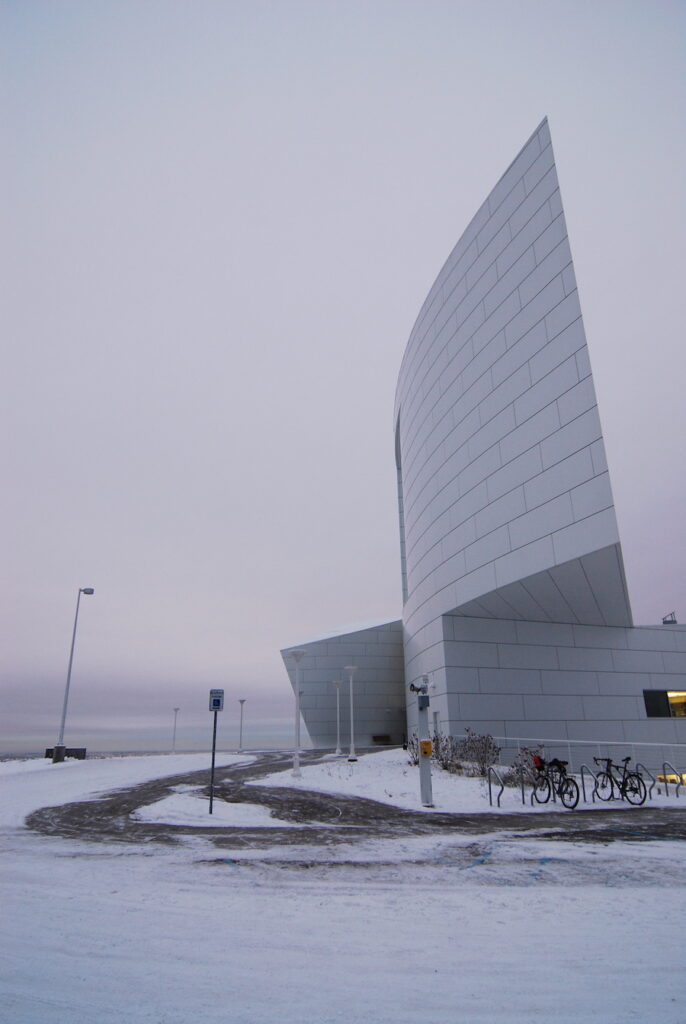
x=582 y=769
x=668 y=764
x=557 y=741
x=502 y=785
x=648 y=772
x=650 y=750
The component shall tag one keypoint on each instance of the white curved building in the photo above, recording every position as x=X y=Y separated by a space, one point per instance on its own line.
x=514 y=596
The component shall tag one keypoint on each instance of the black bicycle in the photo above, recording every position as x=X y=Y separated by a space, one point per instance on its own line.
x=551 y=777
x=628 y=785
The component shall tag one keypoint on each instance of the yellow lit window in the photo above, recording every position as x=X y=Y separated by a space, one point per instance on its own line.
x=677 y=703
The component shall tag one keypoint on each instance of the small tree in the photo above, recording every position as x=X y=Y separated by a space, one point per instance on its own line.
x=446 y=752
x=480 y=750
x=413 y=748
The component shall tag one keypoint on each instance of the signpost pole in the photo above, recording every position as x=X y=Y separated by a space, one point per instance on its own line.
x=216 y=704
x=214 y=747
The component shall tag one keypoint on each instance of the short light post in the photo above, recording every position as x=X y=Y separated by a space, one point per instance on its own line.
x=58 y=752
x=351 y=670
x=297 y=658
x=240 y=728
x=176 y=712
x=337 y=684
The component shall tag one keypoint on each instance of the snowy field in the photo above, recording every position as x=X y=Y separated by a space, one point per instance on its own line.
x=458 y=927
x=387 y=776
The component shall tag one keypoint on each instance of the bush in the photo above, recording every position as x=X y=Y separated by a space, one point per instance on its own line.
x=524 y=759
x=473 y=753
x=480 y=750
x=447 y=752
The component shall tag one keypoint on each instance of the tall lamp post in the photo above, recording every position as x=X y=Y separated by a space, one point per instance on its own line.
x=176 y=711
x=337 y=684
x=351 y=670
x=240 y=730
x=297 y=657
x=58 y=752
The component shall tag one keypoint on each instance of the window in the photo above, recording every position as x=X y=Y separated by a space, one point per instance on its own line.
x=677 y=703
x=665 y=703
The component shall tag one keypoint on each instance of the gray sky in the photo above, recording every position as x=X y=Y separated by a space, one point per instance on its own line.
x=219 y=223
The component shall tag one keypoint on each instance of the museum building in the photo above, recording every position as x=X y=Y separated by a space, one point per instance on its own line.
x=515 y=602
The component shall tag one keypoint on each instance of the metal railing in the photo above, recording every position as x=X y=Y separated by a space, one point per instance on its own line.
x=577 y=751
x=522 y=769
x=582 y=769
x=679 y=776
x=493 y=771
x=641 y=767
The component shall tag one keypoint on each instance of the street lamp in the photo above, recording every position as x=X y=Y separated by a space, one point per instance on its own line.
x=240 y=731
x=58 y=752
x=352 y=669
x=337 y=684
x=297 y=658
x=176 y=711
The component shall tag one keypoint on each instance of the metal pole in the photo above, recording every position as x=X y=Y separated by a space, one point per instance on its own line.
x=58 y=752
x=214 y=746
x=297 y=658
x=176 y=711
x=351 y=669
x=337 y=684
x=425 y=748
x=240 y=731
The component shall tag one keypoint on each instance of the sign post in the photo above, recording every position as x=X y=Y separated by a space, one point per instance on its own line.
x=216 y=704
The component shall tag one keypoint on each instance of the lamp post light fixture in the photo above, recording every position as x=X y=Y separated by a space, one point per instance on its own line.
x=176 y=711
x=240 y=729
x=58 y=752
x=337 y=684
x=297 y=657
x=351 y=670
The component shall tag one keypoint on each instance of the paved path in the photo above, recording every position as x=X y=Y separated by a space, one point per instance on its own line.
x=328 y=819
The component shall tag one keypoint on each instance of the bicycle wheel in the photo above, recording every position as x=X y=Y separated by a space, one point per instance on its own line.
x=635 y=790
x=542 y=789
x=603 y=786
x=569 y=793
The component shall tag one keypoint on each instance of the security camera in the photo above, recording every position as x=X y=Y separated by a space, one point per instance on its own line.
x=419 y=687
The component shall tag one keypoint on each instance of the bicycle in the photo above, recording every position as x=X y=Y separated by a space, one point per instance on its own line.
x=551 y=777
x=629 y=785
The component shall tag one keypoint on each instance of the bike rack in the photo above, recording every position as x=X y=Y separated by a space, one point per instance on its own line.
x=665 y=766
x=522 y=769
x=648 y=772
x=582 y=769
x=491 y=770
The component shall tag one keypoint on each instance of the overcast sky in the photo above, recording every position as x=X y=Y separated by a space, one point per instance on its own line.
x=220 y=220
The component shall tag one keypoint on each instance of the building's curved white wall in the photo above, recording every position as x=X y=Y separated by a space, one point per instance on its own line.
x=515 y=601
x=501 y=459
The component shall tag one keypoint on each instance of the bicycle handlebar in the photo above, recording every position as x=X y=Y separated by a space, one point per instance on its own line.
x=608 y=760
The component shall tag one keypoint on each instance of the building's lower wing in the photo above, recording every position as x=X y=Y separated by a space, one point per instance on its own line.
x=376 y=656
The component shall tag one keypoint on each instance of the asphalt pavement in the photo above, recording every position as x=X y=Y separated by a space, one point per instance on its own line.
x=327 y=820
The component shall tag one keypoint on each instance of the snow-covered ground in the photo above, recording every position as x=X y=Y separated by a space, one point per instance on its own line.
x=458 y=927
x=387 y=776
